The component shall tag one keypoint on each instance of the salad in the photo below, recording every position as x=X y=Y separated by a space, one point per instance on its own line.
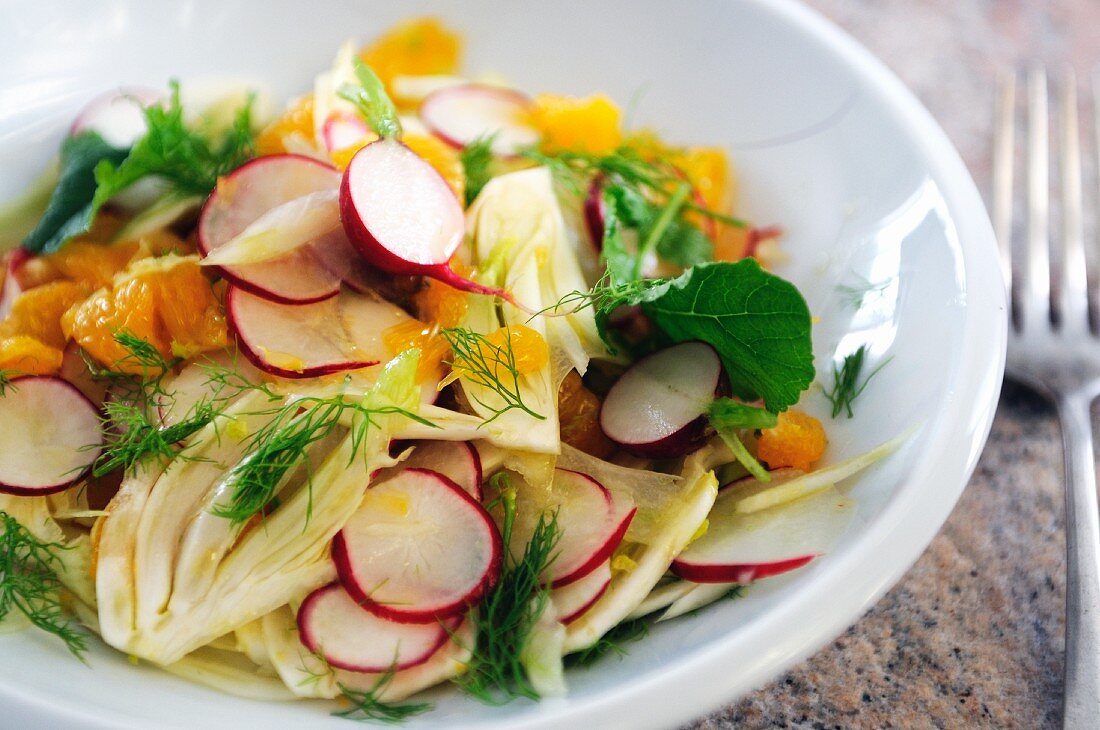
x=421 y=380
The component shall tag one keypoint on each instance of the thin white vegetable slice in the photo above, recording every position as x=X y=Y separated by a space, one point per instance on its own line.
x=333 y=625
x=300 y=341
x=286 y=228
x=117 y=116
x=574 y=599
x=457 y=460
x=419 y=549
x=740 y=548
x=459 y=115
x=51 y=435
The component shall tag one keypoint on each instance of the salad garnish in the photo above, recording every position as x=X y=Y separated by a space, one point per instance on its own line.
x=847 y=385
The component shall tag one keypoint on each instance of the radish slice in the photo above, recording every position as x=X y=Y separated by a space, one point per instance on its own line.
x=739 y=548
x=341 y=131
x=51 y=435
x=459 y=115
x=657 y=408
x=456 y=460
x=75 y=371
x=402 y=216
x=592 y=525
x=306 y=340
x=13 y=284
x=281 y=231
x=419 y=549
x=576 y=598
x=117 y=116
x=242 y=198
x=336 y=627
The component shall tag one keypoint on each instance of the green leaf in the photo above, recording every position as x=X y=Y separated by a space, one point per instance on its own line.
x=618 y=261
x=685 y=245
x=758 y=323
x=372 y=101
x=661 y=228
x=477 y=160
x=728 y=413
x=70 y=209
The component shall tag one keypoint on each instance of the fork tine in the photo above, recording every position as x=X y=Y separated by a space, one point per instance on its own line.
x=1036 y=270
x=1004 y=143
x=1072 y=289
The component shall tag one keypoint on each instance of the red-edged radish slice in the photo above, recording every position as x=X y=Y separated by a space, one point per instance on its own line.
x=13 y=282
x=117 y=116
x=657 y=408
x=459 y=115
x=281 y=231
x=577 y=597
x=333 y=625
x=402 y=216
x=592 y=525
x=245 y=195
x=51 y=436
x=306 y=340
x=739 y=548
x=595 y=212
x=341 y=131
x=418 y=549
x=74 y=370
x=456 y=460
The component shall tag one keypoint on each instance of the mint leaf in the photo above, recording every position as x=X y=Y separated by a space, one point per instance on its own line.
x=69 y=211
x=758 y=323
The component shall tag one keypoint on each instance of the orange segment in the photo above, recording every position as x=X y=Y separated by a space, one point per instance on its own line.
x=165 y=301
x=434 y=349
x=92 y=264
x=529 y=348
x=440 y=155
x=37 y=312
x=27 y=355
x=579 y=415
x=298 y=118
x=342 y=157
x=798 y=440
x=417 y=47
x=590 y=124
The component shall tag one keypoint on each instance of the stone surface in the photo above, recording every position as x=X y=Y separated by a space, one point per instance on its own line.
x=973 y=635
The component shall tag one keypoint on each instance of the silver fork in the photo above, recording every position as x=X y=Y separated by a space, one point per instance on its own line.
x=1053 y=348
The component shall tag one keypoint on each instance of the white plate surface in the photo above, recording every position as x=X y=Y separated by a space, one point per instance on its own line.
x=827 y=143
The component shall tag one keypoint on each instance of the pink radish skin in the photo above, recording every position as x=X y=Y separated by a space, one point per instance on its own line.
x=51 y=438
x=456 y=460
x=738 y=548
x=657 y=407
x=592 y=525
x=333 y=625
x=341 y=131
x=74 y=370
x=574 y=599
x=418 y=550
x=307 y=340
x=302 y=277
x=403 y=217
x=460 y=115
x=117 y=116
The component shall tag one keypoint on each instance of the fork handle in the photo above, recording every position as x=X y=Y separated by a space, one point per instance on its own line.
x=1081 y=704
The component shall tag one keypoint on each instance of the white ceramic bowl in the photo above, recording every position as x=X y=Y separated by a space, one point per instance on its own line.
x=827 y=143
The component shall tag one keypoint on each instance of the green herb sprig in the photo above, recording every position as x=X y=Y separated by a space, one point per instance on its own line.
x=283 y=443
x=509 y=612
x=372 y=101
x=29 y=584
x=367 y=707
x=847 y=385
x=613 y=642
x=477 y=161
x=490 y=365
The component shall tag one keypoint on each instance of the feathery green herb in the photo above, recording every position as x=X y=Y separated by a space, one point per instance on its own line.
x=283 y=443
x=29 y=583
x=477 y=161
x=6 y=376
x=846 y=381
x=366 y=707
x=509 y=612
x=613 y=642
x=488 y=364
x=372 y=101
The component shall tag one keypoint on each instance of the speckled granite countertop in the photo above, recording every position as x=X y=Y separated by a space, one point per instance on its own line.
x=973 y=635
